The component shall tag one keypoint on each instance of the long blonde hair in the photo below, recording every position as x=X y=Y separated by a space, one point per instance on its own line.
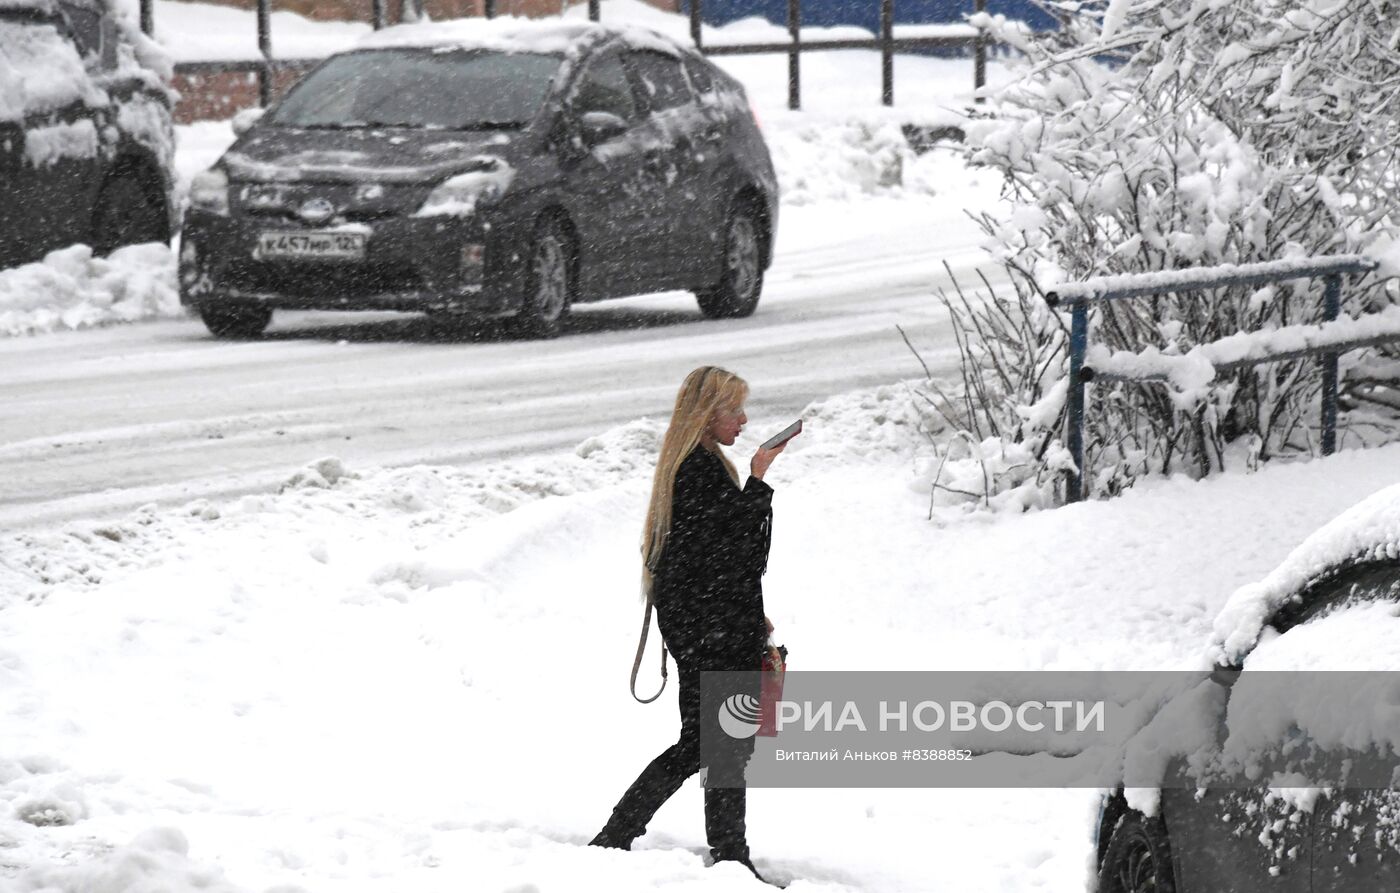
x=705 y=392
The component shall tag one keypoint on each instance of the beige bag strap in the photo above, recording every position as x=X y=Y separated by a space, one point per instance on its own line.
x=641 y=649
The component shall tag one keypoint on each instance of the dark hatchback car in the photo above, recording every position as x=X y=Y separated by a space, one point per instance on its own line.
x=487 y=168
x=1333 y=605
x=85 y=130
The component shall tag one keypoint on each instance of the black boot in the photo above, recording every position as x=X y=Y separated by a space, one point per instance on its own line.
x=608 y=839
x=725 y=827
x=724 y=824
x=658 y=781
x=744 y=861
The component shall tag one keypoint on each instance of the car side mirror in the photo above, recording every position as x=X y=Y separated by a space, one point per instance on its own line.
x=244 y=120
x=1225 y=676
x=599 y=127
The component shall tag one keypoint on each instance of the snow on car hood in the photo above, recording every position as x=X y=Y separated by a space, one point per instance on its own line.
x=1329 y=681
x=286 y=155
x=1368 y=531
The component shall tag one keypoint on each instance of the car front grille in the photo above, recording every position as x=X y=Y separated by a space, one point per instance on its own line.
x=328 y=280
x=283 y=217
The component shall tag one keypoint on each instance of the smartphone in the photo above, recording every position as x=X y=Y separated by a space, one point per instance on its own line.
x=784 y=435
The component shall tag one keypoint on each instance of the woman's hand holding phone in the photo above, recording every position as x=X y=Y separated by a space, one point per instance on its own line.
x=758 y=465
x=764 y=455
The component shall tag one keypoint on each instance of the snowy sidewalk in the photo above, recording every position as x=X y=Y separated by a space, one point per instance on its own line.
x=416 y=679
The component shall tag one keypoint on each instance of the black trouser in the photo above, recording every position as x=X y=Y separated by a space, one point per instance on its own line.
x=724 y=807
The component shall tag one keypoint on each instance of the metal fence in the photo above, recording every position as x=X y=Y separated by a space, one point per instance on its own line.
x=1080 y=295
x=975 y=43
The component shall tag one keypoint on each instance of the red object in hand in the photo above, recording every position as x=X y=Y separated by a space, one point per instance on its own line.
x=771 y=691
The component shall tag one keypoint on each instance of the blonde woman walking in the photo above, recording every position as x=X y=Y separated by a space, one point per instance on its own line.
x=704 y=551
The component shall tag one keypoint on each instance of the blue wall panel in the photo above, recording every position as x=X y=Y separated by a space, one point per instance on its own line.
x=865 y=13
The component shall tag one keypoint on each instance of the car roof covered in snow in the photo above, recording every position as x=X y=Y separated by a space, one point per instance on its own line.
x=514 y=34
x=1367 y=532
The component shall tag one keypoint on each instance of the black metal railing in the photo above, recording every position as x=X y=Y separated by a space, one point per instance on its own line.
x=888 y=42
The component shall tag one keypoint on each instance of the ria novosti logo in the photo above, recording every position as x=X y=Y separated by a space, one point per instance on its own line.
x=739 y=716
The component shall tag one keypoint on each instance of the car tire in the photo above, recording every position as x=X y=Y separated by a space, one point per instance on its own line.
x=549 y=282
x=236 y=320
x=127 y=214
x=741 y=280
x=1138 y=858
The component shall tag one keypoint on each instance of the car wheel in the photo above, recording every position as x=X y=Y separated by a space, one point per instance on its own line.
x=549 y=283
x=1138 y=859
x=127 y=214
x=236 y=320
x=736 y=293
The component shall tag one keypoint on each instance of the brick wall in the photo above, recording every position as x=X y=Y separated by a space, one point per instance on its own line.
x=219 y=95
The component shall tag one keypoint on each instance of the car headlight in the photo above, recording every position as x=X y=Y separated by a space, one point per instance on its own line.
x=209 y=192
x=461 y=195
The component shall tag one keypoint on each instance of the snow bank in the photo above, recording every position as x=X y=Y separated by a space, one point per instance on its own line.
x=85 y=555
x=72 y=289
x=847 y=160
x=157 y=859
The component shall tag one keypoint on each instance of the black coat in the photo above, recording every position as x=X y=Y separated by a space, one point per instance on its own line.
x=708 y=584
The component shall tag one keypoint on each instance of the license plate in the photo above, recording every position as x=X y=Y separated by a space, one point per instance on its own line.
x=311 y=245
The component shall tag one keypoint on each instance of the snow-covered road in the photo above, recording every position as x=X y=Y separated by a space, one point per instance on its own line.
x=97 y=422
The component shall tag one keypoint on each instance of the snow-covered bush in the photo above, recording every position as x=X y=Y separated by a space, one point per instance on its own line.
x=1152 y=135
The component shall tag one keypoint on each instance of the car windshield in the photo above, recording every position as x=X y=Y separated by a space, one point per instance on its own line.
x=420 y=88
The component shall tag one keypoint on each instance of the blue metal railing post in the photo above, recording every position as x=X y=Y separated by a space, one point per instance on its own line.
x=1078 y=343
x=695 y=21
x=887 y=52
x=979 y=56
x=1331 y=308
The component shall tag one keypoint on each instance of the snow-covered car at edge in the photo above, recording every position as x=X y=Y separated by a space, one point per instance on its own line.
x=1331 y=609
x=491 y=168
x=86 y=139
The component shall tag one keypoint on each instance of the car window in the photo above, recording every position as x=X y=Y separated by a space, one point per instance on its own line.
x=1352 y=586
x=663 y=82
x=419 y=88
x=604 y=88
